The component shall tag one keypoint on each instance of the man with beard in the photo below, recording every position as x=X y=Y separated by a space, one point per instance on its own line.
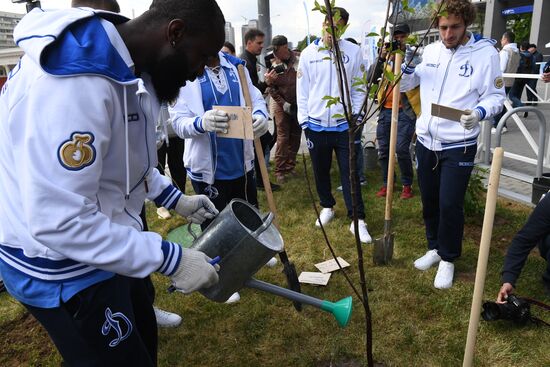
x=79 y=163
x=461 y=71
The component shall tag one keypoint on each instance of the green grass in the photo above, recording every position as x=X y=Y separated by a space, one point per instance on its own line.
x=413 y=323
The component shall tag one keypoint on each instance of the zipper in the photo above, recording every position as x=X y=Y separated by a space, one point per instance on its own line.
x=439 y=97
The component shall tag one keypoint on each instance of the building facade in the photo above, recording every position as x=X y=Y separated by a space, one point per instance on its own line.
x=8 y=21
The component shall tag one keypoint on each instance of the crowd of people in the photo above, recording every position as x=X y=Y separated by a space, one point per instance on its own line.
x=153 y=87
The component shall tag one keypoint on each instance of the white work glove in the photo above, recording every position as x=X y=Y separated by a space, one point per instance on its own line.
x=411 y=60
x=259 y=124
x=196 y=208
x=215 y=121
x=470 y=120
x=194 y=272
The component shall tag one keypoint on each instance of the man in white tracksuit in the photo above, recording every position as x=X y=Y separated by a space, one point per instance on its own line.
x=461 y=71
x=325 y=133
x=78 y=156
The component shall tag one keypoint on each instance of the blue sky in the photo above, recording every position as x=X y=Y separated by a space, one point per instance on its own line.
x=288 y=17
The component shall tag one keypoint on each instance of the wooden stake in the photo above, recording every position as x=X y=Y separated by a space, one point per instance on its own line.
x=483 y=258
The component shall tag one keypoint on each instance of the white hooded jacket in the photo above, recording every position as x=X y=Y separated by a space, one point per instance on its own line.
x=466 y=78
x=77 y=154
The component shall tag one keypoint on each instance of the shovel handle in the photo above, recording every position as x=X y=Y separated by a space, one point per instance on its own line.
x=393 y=137
x=258 y=148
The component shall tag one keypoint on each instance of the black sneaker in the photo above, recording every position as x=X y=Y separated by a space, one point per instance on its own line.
x=274 y=187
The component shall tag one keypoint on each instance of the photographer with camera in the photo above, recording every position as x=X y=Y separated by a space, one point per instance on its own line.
x=535 y=232
x=281 y=81
x=409 y=108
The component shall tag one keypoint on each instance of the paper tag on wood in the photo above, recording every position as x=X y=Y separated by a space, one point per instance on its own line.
x=331 y=265
x=448 y=113
x=314 y=278
x=240 y=122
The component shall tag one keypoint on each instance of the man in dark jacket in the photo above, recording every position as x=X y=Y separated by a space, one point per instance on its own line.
x=532 y=83
x=254 y=43
x=535 y=232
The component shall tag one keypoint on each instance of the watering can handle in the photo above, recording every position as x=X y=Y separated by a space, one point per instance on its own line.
x=190 y=230
x=267 y=220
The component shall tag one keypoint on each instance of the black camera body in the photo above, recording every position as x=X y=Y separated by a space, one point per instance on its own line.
x=394 y=45
x=546 y=68
x=270 y=65
x=515 y=309
x=31 y=4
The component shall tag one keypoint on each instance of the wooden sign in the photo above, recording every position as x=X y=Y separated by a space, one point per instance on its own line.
x=240 y=122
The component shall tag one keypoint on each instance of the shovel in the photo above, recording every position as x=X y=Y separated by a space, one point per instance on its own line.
x=288 y=268
x=383 y=247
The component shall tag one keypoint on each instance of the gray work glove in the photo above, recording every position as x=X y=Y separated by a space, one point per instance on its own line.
x=259 y=125
x=470 y=119
x=196 y=208
x=215 y=121
x=194 y=272
x=410 y=60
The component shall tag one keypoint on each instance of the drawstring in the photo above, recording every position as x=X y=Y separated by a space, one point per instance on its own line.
x=127 y=155
x=164 y=113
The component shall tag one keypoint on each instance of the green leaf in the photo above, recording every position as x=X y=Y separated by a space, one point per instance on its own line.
x=338 y=116
x=373 y=34
x=389 y=75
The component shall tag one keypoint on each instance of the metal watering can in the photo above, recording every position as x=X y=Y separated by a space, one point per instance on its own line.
x=245 y=241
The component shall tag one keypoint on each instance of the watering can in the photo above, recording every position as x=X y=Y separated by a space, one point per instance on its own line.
x=245 y=241
x=370 y=155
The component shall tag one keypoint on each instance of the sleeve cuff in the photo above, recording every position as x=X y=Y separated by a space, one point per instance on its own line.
x=172 y=257
x=407 y=69
x=482 y=112
x=198 y=125
x=259 y=112
x=168 y=198
x=508 y=277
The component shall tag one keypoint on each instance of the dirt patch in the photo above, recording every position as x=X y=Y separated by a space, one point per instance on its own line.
x=468 y=277
x=17 y=335
x=349 y=363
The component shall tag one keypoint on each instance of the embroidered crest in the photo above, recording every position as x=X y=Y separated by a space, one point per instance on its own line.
x=499 y=82
x=345 y=58
x=117 y=322
x=77 y=152
x=299 y=73
x=466 y=70
x=309 y=144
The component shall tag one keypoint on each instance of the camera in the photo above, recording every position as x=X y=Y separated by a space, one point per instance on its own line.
x=546 y=68
x=31 y=4
x=394 y=45
x=270 y=65
x=515 y=309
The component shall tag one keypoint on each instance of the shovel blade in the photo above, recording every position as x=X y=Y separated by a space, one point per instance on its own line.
x=382 y=251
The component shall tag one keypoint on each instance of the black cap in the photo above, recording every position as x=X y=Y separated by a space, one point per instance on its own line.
x=279 y=41
x=401 y=28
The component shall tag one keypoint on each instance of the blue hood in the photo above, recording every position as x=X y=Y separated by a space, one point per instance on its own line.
x=72 y=42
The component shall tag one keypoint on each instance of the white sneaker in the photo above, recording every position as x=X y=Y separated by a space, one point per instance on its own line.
x=235 y=297
x=163 y=213
x=166 y=319
x=504 y=130
x=271 y=263
x=444 y=276
x=428 y=260
x=326 y=216
x=493 y=130
x=364 y=235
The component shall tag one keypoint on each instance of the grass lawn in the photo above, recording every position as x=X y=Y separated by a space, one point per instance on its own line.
x=414 y=324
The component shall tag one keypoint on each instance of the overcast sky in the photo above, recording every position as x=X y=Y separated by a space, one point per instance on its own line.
x=288 y=17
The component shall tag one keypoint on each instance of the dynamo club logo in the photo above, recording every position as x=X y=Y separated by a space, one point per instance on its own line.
x=77 y=152
x=119 y=324
x=466 y=70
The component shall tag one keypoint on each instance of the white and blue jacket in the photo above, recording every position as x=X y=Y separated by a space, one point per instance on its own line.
x=77 y=156
x=466 y=78
x=200 y=152
x=317 y=78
